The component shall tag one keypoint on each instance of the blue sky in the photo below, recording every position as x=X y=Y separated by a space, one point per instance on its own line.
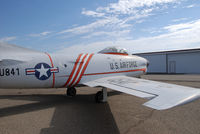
x=89 y=26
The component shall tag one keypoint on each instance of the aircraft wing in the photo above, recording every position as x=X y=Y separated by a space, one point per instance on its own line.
x=162 y=95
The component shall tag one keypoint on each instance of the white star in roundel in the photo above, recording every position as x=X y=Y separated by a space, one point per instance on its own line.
x=43 y=71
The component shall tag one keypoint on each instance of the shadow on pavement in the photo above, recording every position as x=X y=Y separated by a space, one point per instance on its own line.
x=78 y=114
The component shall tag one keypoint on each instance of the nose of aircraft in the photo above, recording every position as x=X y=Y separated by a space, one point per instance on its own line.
x=147 y=63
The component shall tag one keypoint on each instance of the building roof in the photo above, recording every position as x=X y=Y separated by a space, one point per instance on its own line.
x=171 y=51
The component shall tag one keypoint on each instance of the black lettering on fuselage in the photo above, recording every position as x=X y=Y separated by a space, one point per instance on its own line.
x=1 y=72
x=123 y=65
x=9 y=71
x=111 y=66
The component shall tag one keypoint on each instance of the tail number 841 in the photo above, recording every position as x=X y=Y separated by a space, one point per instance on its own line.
x=9 y=71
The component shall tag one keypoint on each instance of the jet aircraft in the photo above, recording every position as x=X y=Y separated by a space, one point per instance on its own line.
x=111 y=68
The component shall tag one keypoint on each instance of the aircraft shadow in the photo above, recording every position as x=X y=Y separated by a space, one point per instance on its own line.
x=78 y=114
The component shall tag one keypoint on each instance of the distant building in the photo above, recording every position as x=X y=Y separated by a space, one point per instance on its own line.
x=178 y=61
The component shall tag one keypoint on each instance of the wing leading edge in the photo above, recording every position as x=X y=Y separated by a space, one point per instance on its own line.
x=162 y=95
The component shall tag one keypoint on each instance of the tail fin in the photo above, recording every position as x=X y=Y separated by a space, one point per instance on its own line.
x=14 y=53
x=8 y=48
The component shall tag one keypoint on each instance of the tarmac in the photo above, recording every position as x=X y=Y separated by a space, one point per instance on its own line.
x=49 y=111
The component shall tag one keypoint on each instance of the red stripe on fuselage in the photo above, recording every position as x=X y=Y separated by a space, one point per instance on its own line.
x=79 y=69
x=143 y=69
x=53 y=84
x=84 y=69
x=125 y=71
x=74 y=68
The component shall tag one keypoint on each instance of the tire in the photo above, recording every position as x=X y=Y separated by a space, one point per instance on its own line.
x=71 y=91
x=99 y=97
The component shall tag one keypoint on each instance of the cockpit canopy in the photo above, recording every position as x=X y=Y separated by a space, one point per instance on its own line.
x=114 y=50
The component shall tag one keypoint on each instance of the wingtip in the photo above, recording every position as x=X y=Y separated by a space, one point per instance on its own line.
x=157 y=107
x=166 y=106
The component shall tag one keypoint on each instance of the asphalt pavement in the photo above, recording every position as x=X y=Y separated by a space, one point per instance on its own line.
x=49 y=111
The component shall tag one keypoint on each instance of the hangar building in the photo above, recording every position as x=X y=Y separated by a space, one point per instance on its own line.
x=173 y=62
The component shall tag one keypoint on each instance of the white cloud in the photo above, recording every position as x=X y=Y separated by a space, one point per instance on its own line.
x=92 y=13
x=7 y=39
x=128 y=6
x=190 y=6
x=40 y=34
x=117 y=16
x=116 y=20
x=185 y=36
x=152 y=30
x=118 y=34
x=92 y=26
x=182 y=26
x=179 y=19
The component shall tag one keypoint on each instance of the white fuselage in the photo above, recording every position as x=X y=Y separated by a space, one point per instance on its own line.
x=55 y=71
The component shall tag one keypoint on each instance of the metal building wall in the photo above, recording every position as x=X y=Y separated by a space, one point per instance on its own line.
x=186 y=62
x=157 y=62
x=181 y=61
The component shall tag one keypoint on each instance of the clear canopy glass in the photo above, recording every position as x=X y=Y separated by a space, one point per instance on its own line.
x=114 y=50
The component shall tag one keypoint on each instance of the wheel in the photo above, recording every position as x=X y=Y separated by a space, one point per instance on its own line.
x=71 y=91
x=99 y=97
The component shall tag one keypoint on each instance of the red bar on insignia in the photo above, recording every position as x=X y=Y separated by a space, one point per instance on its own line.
x=30 y=72
x=54 y=70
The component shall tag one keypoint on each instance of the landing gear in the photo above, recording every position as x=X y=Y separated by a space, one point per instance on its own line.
x=71 y=91
x=101 y=96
